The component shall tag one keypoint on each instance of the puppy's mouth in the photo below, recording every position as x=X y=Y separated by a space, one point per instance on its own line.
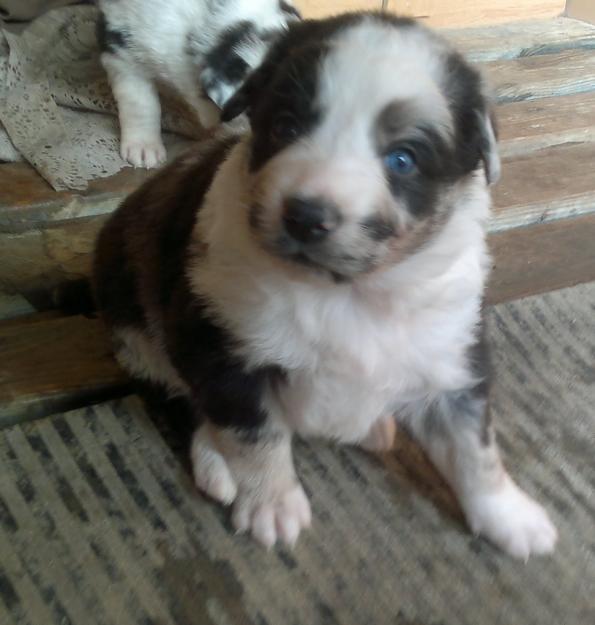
x=323 y=258
x=341 y=267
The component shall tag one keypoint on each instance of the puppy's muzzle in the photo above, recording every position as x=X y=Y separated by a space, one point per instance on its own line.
x=309 y=220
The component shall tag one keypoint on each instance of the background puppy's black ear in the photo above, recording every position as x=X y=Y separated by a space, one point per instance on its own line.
x=244 y=97
x=489 y=144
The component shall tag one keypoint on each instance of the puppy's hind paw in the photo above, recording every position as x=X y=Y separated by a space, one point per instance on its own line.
x=147 y=154
x=513 y=521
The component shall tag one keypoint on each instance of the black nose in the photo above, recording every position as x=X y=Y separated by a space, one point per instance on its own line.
x=309 y=220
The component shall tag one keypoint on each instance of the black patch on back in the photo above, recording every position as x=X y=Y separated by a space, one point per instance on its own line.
x=115 y=280
x=223 y=387
x=142 y=255
x=110 y=39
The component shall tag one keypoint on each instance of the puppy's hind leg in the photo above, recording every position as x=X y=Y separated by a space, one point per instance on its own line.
x=139 y=111
x=455 y=432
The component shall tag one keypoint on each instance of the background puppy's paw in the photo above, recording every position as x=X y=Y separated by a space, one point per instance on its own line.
x=381 y=436
x=140 y=153
x=513 y=521
x=273 y=516
x=211 y=473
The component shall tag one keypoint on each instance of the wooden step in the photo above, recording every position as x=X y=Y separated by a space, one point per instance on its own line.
x=525 y=127
x=545 y=185
x=547 y=129
x=523 y=38
x=49 y=364
x=542 y=258
x=532 y=77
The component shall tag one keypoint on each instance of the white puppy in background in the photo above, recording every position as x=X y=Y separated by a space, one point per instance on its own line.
x=204 y=49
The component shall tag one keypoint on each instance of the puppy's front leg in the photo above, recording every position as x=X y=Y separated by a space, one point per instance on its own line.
x=139 y=112
x=254 y=470
x=454 y=430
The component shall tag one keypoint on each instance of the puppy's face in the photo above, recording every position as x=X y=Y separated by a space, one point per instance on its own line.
x=364 y=128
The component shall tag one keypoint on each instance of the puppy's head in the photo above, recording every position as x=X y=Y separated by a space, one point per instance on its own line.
x=363 y=128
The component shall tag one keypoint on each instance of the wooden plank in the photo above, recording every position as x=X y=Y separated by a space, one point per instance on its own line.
x=315 y=8
x=49 y=364
x=13 y=305
x=530 y=77
x=581 y=9
x=25 y=197
x=547 y=175
x=47 y=254
x=542 y=258
x=29 y=318
x=536 y=124
x=53 y=365
x=526 y=38
x=445 y=13
x=544 y=186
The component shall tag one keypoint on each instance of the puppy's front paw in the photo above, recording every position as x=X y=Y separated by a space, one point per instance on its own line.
x=381 y=436
x=143 y=153
x=513 y=521
x=272 y=516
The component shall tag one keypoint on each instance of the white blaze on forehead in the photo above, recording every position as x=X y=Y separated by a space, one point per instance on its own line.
x=371 y=65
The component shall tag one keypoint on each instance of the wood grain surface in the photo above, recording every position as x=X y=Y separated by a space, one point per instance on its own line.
x=54 y=364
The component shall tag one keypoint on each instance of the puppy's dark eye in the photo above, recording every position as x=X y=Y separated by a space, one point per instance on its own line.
x=285 y=127
x=400 y=161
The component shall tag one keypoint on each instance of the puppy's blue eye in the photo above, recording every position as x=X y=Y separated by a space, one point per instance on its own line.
x=400 y=161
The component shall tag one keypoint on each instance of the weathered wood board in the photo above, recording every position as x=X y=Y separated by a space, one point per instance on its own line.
x=525 y=127
x=581 y=9
x=519 y=39
x=50 y=364
x=542 y=258
x=542 y=76
x=444 y=13
x=547 y=145
x=318 y=8
x=545 y=186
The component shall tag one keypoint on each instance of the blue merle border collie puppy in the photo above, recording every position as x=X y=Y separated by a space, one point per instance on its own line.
x=202 y=48
x=323 y=274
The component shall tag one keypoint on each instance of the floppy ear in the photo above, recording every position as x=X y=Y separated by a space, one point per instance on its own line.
x=243 y=98
x=489 y=144
x=215 y=87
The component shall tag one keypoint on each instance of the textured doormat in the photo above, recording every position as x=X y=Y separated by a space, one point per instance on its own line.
x=101 y=524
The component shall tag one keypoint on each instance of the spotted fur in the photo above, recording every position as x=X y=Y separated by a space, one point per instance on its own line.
x=290 y=281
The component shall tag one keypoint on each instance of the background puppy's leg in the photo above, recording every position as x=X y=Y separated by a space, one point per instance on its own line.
x=254 y=470
x=455 y=431
x=139 y=112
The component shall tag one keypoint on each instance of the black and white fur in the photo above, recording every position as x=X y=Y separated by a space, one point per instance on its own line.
x=286 y=281
x=202 y=48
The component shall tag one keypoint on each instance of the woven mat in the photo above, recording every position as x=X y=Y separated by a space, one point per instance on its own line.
x=101 y=524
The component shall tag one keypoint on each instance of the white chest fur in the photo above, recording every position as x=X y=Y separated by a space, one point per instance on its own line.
x=352 y=352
